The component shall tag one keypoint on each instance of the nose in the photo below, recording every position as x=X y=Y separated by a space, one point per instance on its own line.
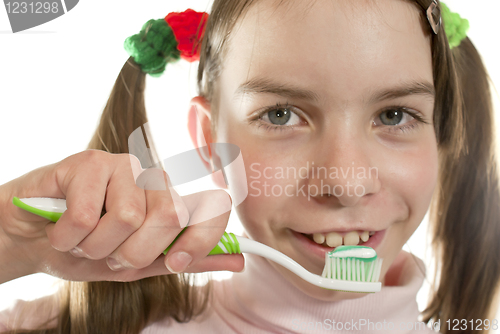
x=343 y=171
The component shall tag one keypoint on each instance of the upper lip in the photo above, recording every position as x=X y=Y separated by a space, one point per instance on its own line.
x=341 y=231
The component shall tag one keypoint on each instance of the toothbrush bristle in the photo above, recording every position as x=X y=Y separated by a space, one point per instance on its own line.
x=352 y=269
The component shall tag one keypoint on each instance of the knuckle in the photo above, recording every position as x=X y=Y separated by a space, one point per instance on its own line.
x=167 y=212
x=83 y=218
x=93 y=156
x=131 y=216
x=98 y=161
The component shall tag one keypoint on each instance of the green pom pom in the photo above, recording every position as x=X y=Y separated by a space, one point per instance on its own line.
x=455 y=26
x=153 y=47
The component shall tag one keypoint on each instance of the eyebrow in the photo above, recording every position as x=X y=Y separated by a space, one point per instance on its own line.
x=406 y=88
x=264 y=85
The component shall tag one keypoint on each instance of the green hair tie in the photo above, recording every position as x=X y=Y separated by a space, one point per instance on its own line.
x=455 y=26
x=153 y=47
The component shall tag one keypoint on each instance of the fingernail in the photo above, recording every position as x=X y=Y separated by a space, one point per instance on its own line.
x=113 y=264
x=77 y=252
x=179 y=260
x=242 y=270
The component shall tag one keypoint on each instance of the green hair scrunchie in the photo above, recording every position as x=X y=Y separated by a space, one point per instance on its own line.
x=455 y=26
x=153 y=47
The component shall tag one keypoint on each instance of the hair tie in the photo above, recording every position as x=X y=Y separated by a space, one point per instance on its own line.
x=163 y=41
x=455 y=27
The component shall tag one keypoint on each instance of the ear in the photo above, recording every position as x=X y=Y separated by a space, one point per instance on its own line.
x=200 y=131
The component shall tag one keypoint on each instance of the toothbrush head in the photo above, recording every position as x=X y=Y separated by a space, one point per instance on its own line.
x=352 y=263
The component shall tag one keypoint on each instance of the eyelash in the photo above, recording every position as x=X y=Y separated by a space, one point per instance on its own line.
x=409 y=125
x=268 y=126
x=403 y=128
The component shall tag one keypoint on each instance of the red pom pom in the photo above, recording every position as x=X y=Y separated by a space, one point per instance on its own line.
x=188 y=28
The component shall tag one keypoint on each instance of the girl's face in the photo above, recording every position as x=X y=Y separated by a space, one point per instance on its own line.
x=353 y=83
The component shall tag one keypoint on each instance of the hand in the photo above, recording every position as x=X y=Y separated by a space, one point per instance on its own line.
x=138 y=225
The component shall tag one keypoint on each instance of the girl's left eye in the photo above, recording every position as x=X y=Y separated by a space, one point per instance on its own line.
x=399 y=119
x=278 y=117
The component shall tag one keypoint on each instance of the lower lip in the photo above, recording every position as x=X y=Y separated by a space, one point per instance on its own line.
x=319 y=251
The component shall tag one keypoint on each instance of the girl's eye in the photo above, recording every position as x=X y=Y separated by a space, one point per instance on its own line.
x=394 y=116
x=281 y=117
x=278 y=117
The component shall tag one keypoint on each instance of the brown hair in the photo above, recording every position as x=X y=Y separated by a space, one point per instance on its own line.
x=465 y=214
x=465 y=210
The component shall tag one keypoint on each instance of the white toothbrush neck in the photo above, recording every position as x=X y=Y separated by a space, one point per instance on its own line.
x=46 y=204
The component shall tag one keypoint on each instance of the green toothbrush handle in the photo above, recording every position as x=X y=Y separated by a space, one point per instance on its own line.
x=52 y=216
x=228 y=244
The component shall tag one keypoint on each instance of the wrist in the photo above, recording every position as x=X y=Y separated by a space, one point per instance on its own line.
x=13 y=263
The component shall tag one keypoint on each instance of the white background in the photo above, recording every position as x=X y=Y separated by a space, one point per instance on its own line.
x=55 y=80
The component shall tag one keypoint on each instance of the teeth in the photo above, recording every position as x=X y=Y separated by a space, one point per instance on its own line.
x=318 y=238
x=351 y=238
x=333 y=239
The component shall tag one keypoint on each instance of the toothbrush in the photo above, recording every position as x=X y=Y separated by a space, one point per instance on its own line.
x=347 y=268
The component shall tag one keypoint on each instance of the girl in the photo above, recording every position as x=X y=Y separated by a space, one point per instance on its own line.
x=318 y=86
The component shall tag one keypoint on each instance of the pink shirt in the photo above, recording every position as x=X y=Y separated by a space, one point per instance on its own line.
x=260 y=300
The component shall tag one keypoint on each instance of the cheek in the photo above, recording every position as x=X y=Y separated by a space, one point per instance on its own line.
x=413 y=177
x=267 y=200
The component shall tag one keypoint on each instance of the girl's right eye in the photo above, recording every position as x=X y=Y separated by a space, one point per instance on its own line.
x=278 y=117
x=281 y=117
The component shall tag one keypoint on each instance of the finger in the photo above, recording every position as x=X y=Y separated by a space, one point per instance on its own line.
x=83 y=180
x=166 y=214
x=198 y=240
x=92 y=270
x=125 y=214
x=229 y=262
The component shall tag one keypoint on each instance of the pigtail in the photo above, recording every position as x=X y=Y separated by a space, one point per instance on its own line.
x=465 y=215
x=124 y=112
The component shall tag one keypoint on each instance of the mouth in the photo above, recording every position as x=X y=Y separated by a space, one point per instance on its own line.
x=317 y=244
x=335 y=239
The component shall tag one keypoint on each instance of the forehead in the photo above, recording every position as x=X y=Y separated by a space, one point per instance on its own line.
x=342 y=45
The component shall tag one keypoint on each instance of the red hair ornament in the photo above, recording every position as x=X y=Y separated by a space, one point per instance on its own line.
x=178 y=35
x=189 y=29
